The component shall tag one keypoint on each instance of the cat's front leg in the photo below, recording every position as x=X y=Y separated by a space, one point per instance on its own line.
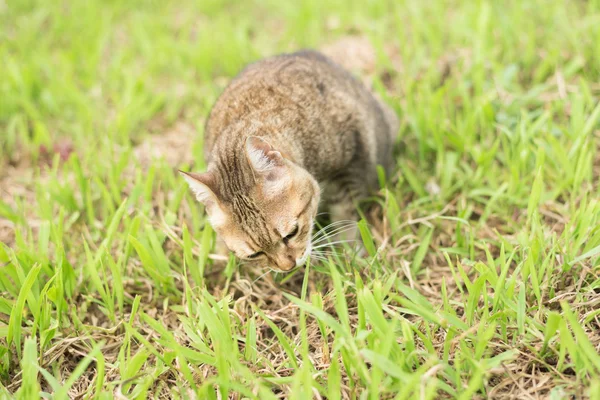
x=344 y=218
x=341 y=198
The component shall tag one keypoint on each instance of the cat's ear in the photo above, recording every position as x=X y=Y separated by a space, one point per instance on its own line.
x=264 y=158
x=204 y=187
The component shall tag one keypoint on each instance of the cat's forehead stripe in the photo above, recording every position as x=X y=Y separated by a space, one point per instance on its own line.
x=251 y=238
x=257 y=231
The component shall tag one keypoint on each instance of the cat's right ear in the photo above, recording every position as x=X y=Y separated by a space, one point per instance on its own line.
x=269 y=165
x=203 y=186
x=264 y=158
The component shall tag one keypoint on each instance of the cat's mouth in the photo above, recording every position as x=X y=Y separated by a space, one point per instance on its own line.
x=300 y=261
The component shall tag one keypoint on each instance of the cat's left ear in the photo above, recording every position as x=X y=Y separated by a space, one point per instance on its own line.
x=204 y=187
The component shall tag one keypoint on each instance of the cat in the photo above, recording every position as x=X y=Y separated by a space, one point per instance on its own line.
x=289 y=134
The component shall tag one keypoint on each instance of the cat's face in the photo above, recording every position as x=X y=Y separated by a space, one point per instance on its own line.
x=269 y=223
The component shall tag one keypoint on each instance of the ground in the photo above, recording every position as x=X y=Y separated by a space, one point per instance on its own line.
x=482 y=278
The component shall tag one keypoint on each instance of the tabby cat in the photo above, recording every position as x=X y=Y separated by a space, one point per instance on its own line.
x=290 y=135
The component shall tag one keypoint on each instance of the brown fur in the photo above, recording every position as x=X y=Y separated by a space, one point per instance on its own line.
x=284 y=126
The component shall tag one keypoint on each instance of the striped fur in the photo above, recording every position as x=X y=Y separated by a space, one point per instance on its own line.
x=284 y=127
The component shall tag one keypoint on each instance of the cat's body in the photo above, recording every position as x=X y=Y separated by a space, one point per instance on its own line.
x=313 y=110
x=283 y=127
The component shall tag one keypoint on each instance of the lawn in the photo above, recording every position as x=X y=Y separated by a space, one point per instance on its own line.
x=482 y=278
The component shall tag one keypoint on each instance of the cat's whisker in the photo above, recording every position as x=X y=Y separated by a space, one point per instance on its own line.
x=260 y=277
x=324 y=234
x=320 y=252
x=333 y=243
x=324 y=253
x=325 y=257
x=323 y=249
x=326 y=249
x=333 y=228
x=339 y=231
x=342 y=221
x=335 y=236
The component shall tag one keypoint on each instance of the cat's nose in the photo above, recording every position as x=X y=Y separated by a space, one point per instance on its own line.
x=287 y=262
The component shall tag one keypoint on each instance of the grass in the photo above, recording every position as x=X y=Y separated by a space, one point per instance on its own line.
x=483 y=274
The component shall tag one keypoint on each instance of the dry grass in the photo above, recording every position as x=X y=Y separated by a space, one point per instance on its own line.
x=485 y=277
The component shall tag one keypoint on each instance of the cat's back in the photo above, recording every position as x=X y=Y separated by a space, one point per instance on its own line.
x=305 y=80
x=305 y=69
x=328 y=117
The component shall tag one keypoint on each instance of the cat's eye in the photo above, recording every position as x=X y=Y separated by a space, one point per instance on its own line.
x=291 y=235
x=255 y=255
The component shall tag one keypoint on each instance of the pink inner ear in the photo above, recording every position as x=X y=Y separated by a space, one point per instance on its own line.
x=262 y=156
x=203 y=186
x=257 y=143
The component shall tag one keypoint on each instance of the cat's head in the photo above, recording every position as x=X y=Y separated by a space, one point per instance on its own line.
x=263 y=208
